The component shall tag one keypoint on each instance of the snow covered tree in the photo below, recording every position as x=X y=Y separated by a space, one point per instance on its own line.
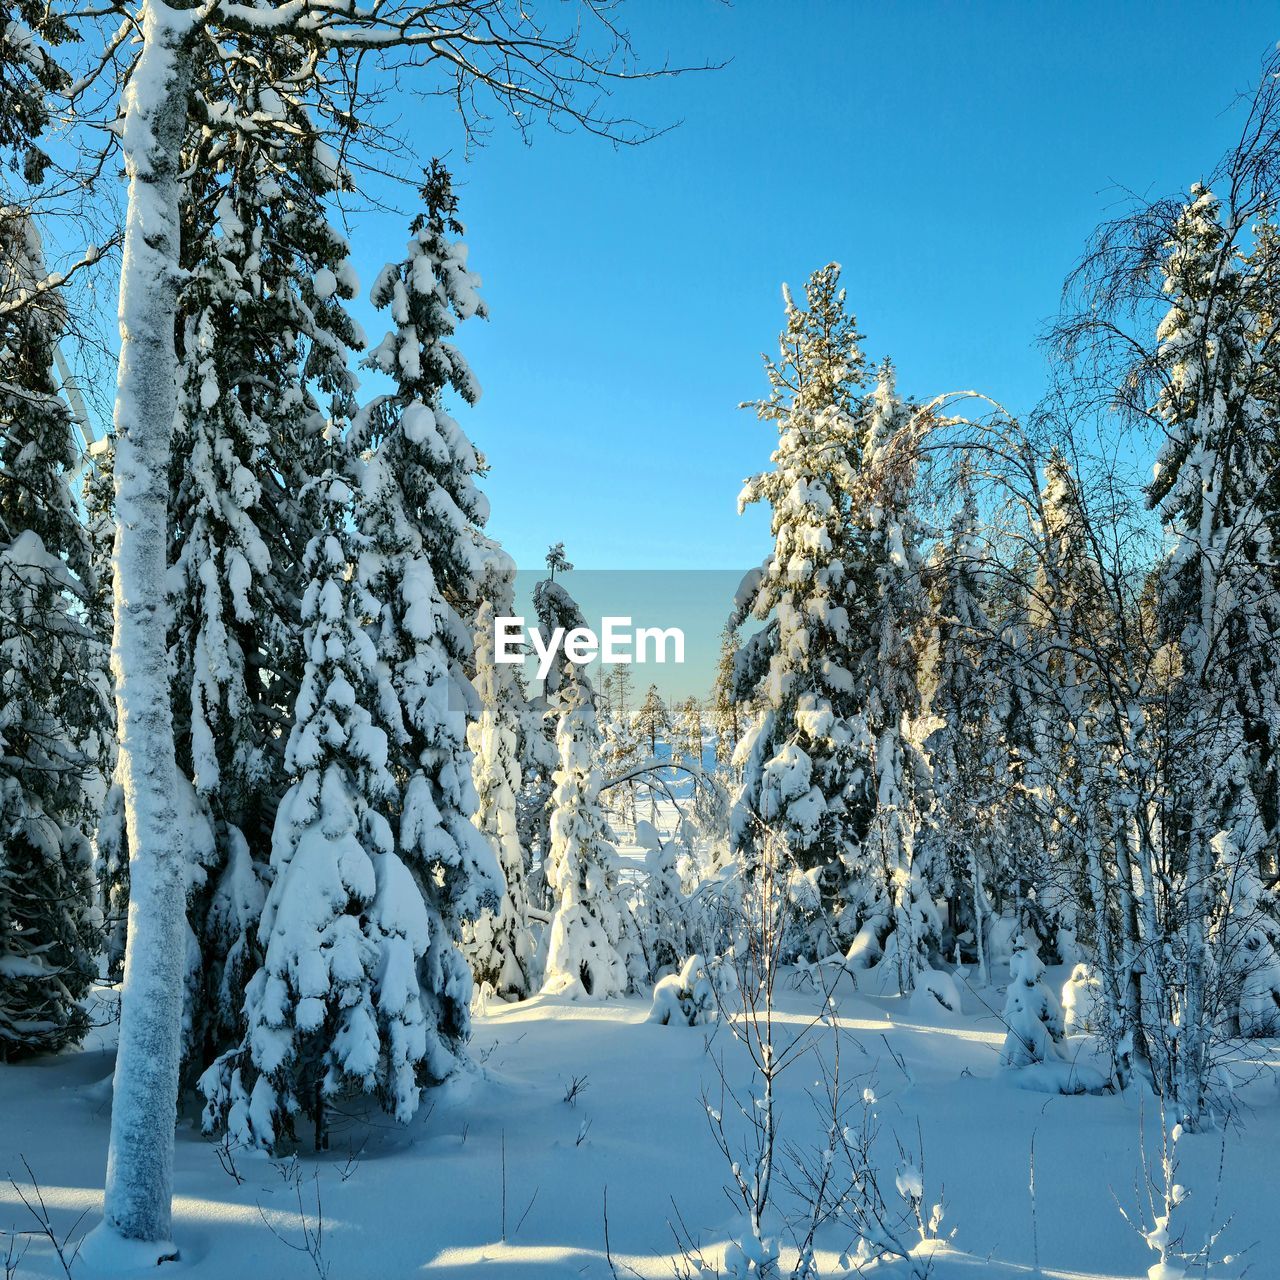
x=265 y=340
x=499 y=943
x=589 y=941
x=727 y=712
x=805 y=761
x=53 y=700
x=688 y=730
x=1031 y=1012
x=892 y=877
x=651 y=721
x=423 y=559
x=961 y=680
x=1218 y=600
x=335 y=1006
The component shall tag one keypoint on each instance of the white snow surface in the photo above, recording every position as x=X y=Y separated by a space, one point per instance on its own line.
x=424 y=1199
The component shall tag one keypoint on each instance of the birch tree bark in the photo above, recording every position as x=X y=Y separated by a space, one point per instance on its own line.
x=144 y=1108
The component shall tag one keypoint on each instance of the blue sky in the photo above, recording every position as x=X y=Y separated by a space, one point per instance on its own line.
x=952 y=157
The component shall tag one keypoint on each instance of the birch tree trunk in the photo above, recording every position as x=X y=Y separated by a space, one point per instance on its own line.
x=136 y=1227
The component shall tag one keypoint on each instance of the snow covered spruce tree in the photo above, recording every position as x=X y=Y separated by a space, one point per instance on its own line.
x=591 y=941
x=422 y=561
x=1220 y=612
x=591 y=945
x=960 y=681
x=893 y=878
x=335 y=1006
x=264 y=332
x=53 y=702
x=806 y=760
x=528 y=69
x=499 y=944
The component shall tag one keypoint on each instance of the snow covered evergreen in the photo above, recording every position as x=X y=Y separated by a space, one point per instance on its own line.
x=422 y=560
x=53 y=699
x=335 y=1006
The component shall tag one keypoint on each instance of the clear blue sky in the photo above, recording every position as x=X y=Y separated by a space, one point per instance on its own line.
x=952 y=157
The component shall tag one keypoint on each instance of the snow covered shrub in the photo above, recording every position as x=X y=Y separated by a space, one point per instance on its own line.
x=936 y=992
x=1031 y=1011
x=695 y=995
x=1082 y=1001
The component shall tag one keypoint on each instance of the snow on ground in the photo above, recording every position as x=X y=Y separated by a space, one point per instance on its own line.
x=427 y=1200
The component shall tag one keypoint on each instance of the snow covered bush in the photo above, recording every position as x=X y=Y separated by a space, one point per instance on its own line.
x=695 y=995
x=1081 y=1001
x=1031 y=1013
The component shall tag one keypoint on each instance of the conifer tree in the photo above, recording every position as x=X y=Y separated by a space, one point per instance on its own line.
x=423 y=560
x=499 y=944
x=53 y=700
x=590 y=941
x=335 y=1006
x=805 y=760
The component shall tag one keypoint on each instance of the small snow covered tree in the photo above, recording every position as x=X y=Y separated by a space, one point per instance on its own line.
x=727 y=712
x=423 y=558
x=590 y=941
x=688 y=730
x=53 y=700
x=1032 y=1015
x=335 y=1006
x=499 y=943
x=651 y=721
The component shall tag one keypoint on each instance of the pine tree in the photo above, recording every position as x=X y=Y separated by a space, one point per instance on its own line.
x=651 y=721
x=728 y=713
x=335 y=1006
x=688 y=728
x=53 y=700
x=421 y=514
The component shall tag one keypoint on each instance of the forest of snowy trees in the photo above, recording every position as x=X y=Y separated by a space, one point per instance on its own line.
x=989 y=704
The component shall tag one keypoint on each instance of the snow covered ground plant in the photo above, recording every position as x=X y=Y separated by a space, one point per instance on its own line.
x=695 y=995
x=1160 y=1216
x=788 y=1193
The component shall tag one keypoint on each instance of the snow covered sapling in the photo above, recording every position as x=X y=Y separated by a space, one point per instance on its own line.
x=336 y=1004
x=1031 y=1013
x=696 y=994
